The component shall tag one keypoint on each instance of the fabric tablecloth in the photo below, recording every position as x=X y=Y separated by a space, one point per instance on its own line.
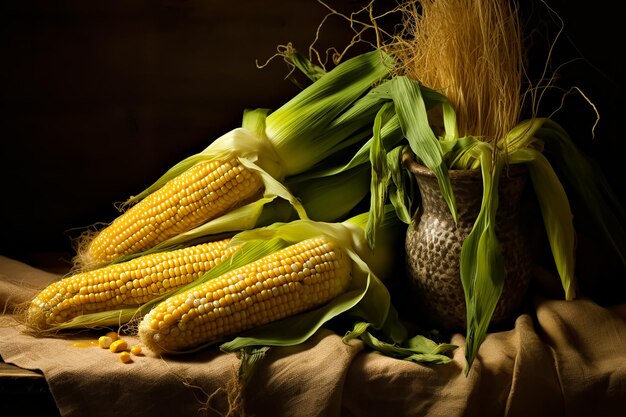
x=560 y=358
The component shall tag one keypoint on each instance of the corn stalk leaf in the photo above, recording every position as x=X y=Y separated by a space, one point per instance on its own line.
x=464 y=153
x=482 y=263
x=411 y=110
x=380 y=174
x=417 y=349
x=399 y=195
x=556 y=213
x=588 y=182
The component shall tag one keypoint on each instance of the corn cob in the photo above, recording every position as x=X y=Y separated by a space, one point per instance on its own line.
x=130 y=283
x=290 y=281
x=201 y=193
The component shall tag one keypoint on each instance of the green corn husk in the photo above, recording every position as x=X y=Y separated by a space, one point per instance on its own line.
x=314 y=116
x=330 y=198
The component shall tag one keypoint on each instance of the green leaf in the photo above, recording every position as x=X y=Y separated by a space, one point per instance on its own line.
x=311 y=126
x=556 y=213
x=399 y=196
x=482 y=263
x=380 y=174
x=332 y=197
x=254 y=121
x=419 y=349
x=312 y=71
x=587 y=180
x=411 y=111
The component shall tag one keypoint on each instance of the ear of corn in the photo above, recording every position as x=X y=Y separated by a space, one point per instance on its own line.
x=366 y=297
x=309 y=128
x=199 y=194
x=366 y=300
x=292 y=280
x=130 y=283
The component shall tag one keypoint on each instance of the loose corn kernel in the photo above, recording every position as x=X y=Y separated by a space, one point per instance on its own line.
x=245 y=297
x=136 y=350
x=118 y=346
x=201 y=193
x=70 y=297
x=105 y=342
x=125 y=356
x=113 y=335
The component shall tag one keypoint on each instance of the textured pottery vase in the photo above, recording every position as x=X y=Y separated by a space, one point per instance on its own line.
x=433 y=244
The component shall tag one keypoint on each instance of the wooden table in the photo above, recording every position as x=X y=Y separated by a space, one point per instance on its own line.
x=24 y=393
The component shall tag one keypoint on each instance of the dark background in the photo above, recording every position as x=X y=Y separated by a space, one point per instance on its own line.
x=99 y=98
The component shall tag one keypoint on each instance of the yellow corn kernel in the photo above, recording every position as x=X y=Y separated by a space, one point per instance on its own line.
x=113 y=335
x=290 y=281
x=118 y=345
x=201 y=193
x=136 y=350
x=125 y=356
x=104 y=342
x=134 y=282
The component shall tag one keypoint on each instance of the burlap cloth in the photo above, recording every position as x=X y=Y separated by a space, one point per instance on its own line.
x=563 y=359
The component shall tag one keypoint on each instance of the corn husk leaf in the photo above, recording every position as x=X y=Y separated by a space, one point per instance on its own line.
x=390 y=135
x=464 y=153
x=329 y=198
x=104 y=319
x=312 y=71
x=386 y=256
x=309 y=116
x=524 y=135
